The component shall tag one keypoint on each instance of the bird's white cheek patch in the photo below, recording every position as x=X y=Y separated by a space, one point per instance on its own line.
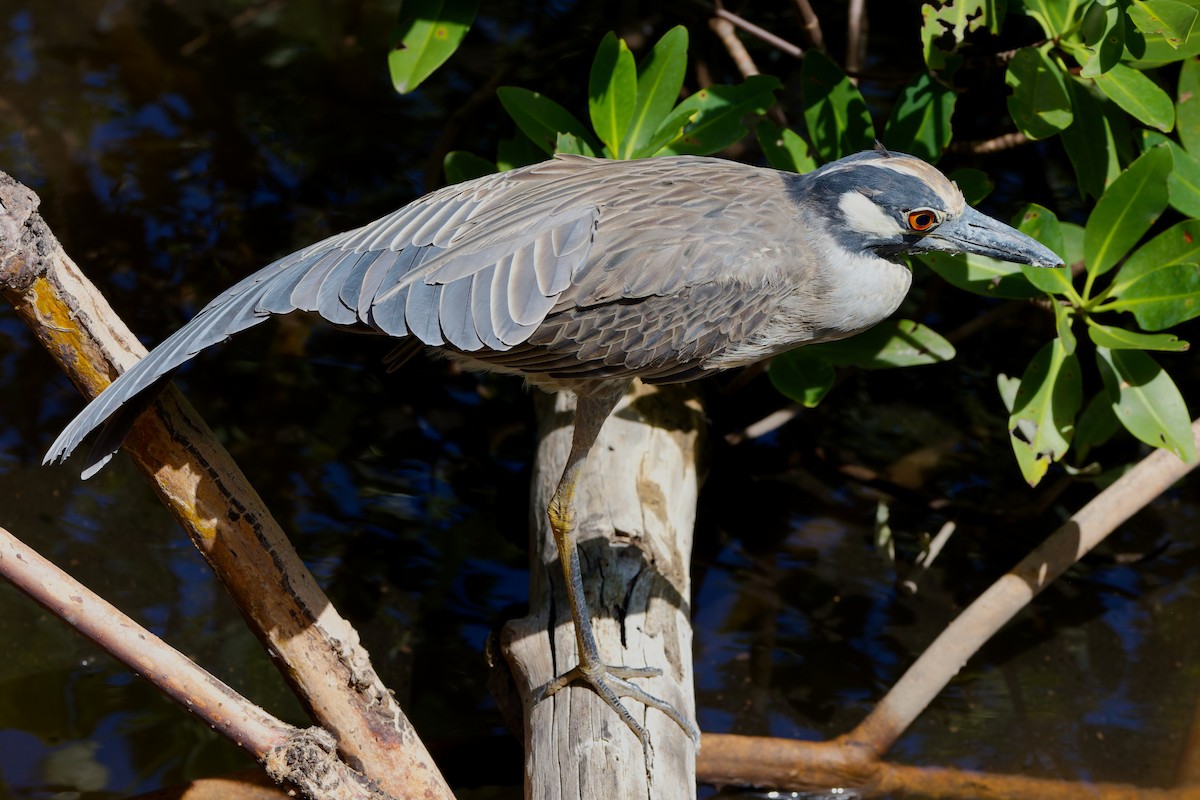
x=863 y=216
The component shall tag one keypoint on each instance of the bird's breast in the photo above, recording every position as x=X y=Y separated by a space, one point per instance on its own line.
x=831 y=302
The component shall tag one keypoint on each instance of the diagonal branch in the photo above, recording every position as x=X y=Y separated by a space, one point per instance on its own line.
x=855 y=758
x=942 y=660
x=302 y=758
x=749 y=27
x=812 y=25
x=315 y=648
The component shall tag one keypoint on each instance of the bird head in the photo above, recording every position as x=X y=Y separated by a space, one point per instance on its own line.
x=894 y=204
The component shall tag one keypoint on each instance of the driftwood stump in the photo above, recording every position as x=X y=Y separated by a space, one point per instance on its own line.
x=636 y=506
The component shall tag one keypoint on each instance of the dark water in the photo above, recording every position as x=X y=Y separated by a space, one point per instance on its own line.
x=178 y=146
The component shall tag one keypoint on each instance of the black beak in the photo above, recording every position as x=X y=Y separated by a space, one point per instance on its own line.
x=972 y=232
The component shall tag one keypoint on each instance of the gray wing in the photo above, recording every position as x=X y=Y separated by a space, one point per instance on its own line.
x=475 y=267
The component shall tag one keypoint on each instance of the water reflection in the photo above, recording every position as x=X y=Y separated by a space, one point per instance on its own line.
x=177 y=147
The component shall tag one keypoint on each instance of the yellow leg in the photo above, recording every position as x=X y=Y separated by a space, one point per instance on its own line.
x=610 y=682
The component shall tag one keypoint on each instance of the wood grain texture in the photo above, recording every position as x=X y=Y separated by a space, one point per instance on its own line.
x=636 y=507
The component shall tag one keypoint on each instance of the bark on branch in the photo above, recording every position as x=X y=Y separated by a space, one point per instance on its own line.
x=303 y=759
x=855 y=758
x=636 y=505
x=316 y=650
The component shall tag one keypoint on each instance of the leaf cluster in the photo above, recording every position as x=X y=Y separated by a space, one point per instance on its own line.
x=1095 y=81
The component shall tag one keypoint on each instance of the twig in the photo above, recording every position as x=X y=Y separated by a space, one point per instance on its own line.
x=856 y=37
x=768 y=424
x=724 y=30
x=749 y=27
x=1006 y=141
x=921 y=565
x=290 y=754
x=741 y=57
x=942 y=660
x=791 y=765
x=812 y=25
x=316 y=649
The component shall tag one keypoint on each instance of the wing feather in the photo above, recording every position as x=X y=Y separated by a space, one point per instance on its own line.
x=345 y=279
x=304 y=294
x=527 y=303
x=421 y=307
x=351 y=289
x=507 y=329
x=515 y=266
x=481 y=310
x=454 y=312
x=387 y=266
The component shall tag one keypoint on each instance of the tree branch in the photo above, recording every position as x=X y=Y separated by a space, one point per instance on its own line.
x=942 y=660
x=791 y=765
x=812 y=25
x=636 y=505
x=724 y=30
x=302 y=758
x=778 y=43
x=316 y=650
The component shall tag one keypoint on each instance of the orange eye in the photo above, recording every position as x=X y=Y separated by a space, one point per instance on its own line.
x=923 y=219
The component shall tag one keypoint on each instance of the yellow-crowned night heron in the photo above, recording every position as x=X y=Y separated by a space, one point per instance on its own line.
x=583 y=274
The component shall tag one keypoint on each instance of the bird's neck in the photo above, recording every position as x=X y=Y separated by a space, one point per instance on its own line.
x=862 y=289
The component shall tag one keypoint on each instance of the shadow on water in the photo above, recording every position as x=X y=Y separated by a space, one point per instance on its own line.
x=178 y=146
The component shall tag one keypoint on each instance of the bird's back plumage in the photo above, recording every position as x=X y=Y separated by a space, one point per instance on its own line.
x=565 y=271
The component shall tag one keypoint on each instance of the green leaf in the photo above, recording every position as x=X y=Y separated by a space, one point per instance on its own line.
x=1089 y=140
x=974 y=183
x=920 y=120
x=892 y=343
x=942 y=21
x=1170 y=19
x=612 y=91
x=981 y=275
x=659 y=79
x=1040 y=223
x=1072 y=243
x=1064 y=316
x=1043 y=415
x=1039 y=103
x=542 y=119
x=1179 y=244
x=1122 y=339
x=1187 y=106
x=1163 y=297
x=459 y=166
x=517 y=152
x=1096 y=425
x=1128 y=208
x=1183 y=185
x=1138 y=96
x=784 y=148
x=428 y=33
x=1056 y=17
x=719 y=110
x=670 y=133
x=1160 y=283
x=801 y=376
x=834 y=110
x=570 y=144
x=1007 y=386
x=1146 y=400
x=1103 y=32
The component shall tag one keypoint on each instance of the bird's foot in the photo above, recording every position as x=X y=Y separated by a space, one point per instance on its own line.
x=612 y=683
